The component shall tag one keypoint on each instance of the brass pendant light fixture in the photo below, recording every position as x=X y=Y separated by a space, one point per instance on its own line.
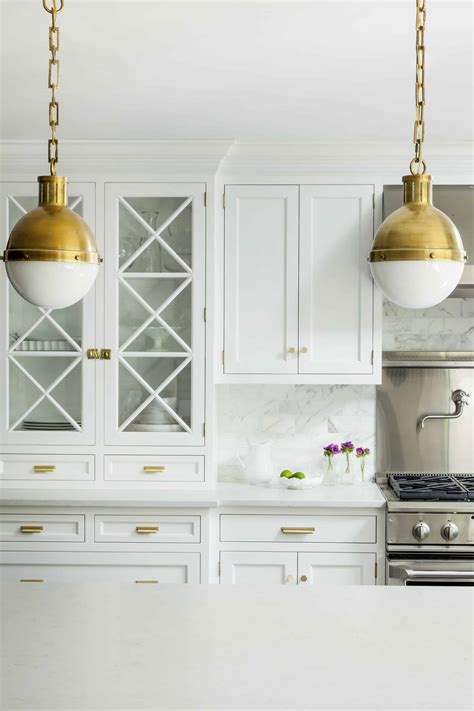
x=51 y=257
x=417 y=257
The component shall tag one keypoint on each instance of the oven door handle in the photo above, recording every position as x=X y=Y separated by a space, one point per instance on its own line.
x=402 y=572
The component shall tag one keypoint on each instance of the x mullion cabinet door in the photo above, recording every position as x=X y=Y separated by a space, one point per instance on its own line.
x=336 y=568
x=154 y=312
x=258 y=568
x=336 y=288
x=47 y=384
x=261 y=279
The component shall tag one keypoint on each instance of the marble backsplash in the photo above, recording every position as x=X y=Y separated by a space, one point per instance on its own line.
x=446 y=327
x=301 y=419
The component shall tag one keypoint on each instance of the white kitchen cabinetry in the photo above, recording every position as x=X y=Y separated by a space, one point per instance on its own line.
x=154 y=318
x=337 y=568
x=283 y=568
x=261 y=279
x=135 y=568
x=299 y=302
x=258 y=568
x=47 y=384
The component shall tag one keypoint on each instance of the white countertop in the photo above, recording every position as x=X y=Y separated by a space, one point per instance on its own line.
x=367 y=496
x=224 y=647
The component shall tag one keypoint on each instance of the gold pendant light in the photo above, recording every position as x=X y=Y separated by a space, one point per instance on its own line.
x=51 y=257
x=417 y=257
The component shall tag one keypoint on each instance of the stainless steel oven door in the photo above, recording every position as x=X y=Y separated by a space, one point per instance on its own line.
x=431 y=572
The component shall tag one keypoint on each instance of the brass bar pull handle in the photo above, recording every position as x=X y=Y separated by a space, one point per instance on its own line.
x=44 y=468
x=31 y=529
x=147 y=582
x=31 y=580
x=153 y=470
x=298 y=529
x=147 y=529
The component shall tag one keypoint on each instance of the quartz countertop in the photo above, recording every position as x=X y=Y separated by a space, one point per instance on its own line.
x=101 y=646
x=367 y=496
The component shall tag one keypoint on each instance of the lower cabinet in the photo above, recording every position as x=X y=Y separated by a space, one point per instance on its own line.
x=133 y=568
x=303 y=568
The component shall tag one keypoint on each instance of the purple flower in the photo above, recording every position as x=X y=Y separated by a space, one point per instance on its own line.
x=361 y=452
x=347 y=447
x=331 y=449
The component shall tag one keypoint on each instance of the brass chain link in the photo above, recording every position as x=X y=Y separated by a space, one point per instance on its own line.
x=53 y=82
x=417 y=164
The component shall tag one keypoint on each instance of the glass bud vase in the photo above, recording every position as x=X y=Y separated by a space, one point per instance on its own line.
x=330 y=474
x=347 y=473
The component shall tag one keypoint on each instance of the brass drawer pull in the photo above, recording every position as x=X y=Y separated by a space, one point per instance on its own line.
x=31 y=529
x=309 y=529
x=147 y=529
x=31 y=580
x=147 y=582
x=44 y=468
x=154 y=470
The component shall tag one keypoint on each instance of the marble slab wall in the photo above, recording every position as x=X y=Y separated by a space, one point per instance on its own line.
x=299 y=419
x=446 y=327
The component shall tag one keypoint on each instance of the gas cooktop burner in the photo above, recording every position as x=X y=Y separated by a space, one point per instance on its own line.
x=425 y=487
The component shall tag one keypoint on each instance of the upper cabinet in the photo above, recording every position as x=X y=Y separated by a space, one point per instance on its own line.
x=299 y=302
x=47 y=383
x=154 y=313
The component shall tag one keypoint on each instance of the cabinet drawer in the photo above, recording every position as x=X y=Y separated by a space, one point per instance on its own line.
x=298 y=529
x=33 y=530
x=147 y=529
x=33 y=467
x=150 y=469
x=137 y=569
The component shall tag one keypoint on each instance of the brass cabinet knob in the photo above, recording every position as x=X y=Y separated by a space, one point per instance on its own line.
x=289 y=579
x=93 y=354
x=291 y=350
x=304 y=349
x=105 y=353
x=304 y=578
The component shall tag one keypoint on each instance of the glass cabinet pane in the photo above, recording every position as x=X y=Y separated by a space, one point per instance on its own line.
x=44 y=360
x=155 y=280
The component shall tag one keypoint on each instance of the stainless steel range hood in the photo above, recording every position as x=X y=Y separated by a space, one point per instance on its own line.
x=456 y=201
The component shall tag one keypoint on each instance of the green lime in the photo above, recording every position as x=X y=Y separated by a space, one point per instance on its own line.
x=298 y=475
x=286 y=473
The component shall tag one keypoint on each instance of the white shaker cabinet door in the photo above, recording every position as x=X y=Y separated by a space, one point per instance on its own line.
x=336 y=568
x=336 y=289
x=261 y=279
x=258 y=568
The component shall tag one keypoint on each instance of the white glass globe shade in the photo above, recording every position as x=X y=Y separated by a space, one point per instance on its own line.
x=417 y=284
x=52 y=285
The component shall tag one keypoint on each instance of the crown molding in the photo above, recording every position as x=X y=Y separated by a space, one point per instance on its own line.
x=452 y=161
x=116 y=157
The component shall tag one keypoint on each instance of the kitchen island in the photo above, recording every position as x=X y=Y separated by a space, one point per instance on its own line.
x=211 y=647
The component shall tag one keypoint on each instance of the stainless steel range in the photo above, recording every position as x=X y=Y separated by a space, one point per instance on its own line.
x=425 y=465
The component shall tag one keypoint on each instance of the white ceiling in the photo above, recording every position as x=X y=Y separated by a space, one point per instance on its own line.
x=250 y=71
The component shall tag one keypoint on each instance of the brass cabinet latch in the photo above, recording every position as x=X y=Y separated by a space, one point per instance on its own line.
x=99 y=353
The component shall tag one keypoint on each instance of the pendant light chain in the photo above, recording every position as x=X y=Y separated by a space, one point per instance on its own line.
x=418 y=165
x=53 y=82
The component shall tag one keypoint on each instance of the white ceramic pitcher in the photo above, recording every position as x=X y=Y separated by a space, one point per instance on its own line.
x=258 y=463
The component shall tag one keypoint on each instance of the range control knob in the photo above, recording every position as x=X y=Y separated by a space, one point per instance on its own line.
x=449 y=531
x=421 y=530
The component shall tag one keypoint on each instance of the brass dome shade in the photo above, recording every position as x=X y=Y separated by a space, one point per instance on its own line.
x=417 y=230
x=51 y=232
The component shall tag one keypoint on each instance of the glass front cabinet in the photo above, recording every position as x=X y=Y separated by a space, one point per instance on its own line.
x=147 y=372
x=47 y=385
